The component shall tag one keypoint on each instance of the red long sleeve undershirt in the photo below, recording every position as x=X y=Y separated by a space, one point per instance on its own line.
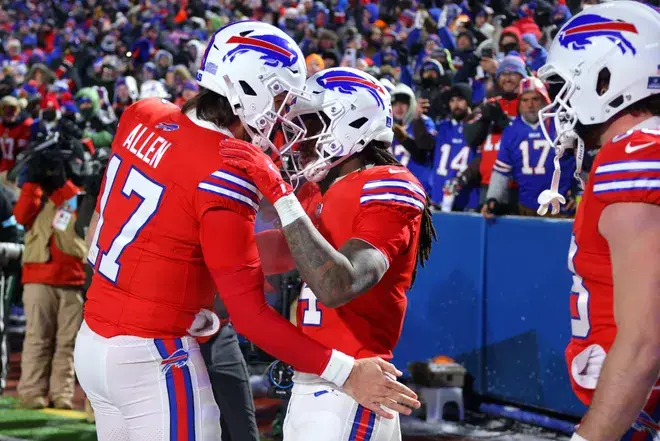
x=230 y=253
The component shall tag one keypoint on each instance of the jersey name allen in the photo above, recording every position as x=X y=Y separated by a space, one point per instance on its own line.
x=149 y=149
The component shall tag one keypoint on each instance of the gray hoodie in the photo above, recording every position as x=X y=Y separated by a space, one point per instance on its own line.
x=405 y=90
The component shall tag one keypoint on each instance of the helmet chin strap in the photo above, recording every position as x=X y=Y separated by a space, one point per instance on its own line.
x=552 y=197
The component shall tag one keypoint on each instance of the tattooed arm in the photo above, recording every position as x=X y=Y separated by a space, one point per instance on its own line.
x=334 y=276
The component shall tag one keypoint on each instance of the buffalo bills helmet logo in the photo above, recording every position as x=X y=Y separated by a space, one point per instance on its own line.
x=178 y=359
x=348 y=82
x=644 y=422
x=275 y=50
x=578 y=34
x=168 y=127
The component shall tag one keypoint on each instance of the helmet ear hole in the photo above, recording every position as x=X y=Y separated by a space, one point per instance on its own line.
x=247 y=89
x=358 y=122
x=616 y=102
x=603 y=83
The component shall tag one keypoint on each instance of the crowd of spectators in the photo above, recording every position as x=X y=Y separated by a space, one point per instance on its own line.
x=460 y=73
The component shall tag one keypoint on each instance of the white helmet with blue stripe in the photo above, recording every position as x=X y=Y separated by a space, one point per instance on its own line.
x=251 y=63
x=350 y=108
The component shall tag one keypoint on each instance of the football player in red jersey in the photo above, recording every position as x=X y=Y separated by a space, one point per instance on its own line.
x=604 y=68
x=174 y=221
x=357 y=252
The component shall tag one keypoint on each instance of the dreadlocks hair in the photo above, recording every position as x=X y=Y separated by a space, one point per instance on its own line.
x=377 y=153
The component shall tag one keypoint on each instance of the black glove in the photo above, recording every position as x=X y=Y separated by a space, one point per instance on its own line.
x=403 y=55
x=492 y=111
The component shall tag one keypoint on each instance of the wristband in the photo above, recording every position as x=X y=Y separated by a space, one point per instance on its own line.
x=338 y=368
x=289 y=209
x=577 y=437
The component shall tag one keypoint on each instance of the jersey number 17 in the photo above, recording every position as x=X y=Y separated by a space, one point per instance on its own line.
x=150 y=194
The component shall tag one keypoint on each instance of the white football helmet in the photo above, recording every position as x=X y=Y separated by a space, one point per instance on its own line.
x=354 y=109
x=602 y=60
x=250 y=63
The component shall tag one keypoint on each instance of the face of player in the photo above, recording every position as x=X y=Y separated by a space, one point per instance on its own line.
x=458 y=107
x=307 y=148
x=508 y=81
x=530 y=104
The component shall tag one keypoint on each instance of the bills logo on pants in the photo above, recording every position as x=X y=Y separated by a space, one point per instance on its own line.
x=179 y=389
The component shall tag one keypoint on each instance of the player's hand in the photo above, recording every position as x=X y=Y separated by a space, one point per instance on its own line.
x=258 y=166
x=372 y=383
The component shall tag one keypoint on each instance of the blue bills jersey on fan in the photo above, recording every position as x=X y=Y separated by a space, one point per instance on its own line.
x=528 y=158
x=452 y=156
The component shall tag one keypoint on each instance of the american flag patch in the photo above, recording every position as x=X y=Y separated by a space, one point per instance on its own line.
x=211 y=68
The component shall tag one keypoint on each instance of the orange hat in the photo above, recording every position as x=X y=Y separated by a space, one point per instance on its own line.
x=317 y=58
x=380 y=24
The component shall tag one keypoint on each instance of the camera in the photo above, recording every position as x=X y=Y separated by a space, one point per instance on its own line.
x=51 y=152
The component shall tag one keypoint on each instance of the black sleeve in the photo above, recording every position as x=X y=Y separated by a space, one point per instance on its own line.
x=425 y=140
x=9 y=231
x=475 y=132
x=418 y=155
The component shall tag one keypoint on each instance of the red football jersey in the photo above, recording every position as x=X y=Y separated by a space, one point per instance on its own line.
x=627 y=169
x=491 y=146
x=150 y=277
x=383 y=206
x=13 y=140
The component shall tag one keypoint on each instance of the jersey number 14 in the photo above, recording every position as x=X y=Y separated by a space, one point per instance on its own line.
x=150 y=194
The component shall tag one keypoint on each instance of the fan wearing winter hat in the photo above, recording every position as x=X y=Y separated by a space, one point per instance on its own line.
x=526 y=157
x=496 y=114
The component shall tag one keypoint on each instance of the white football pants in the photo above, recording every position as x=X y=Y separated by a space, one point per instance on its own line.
x=319 y=412
x=145 y=389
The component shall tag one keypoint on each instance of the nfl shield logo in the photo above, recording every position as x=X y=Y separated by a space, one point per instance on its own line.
x=319 y=208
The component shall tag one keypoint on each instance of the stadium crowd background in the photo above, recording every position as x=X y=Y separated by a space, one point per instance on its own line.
x=70 y=68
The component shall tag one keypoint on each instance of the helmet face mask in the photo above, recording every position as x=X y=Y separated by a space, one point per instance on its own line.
x=346 y=109
x=559 y=111
x=318 y=150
